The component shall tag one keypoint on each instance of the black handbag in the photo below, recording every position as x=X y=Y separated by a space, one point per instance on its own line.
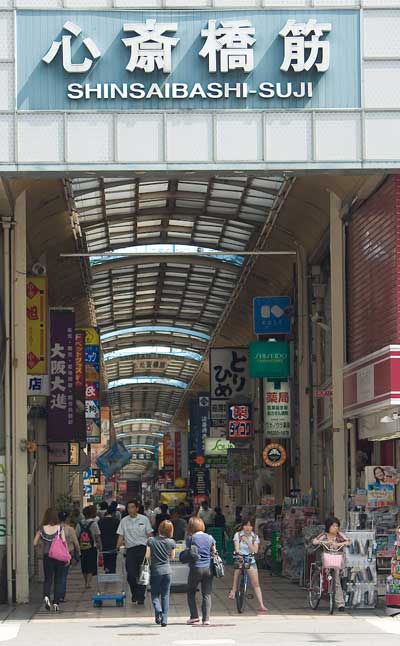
x=217 y=566
x=189 y=556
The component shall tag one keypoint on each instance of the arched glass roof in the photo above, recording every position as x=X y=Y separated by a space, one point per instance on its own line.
x=148 y=299
x=152 y=350
x=131 y=381
x=166 y=249
x=168 y=329
x=143 y=420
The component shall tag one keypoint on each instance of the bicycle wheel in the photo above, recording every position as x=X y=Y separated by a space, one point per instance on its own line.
x=241 y=593
x=331 y=591
x=314 y=591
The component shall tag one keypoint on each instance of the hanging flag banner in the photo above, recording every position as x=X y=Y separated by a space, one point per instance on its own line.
x=169 y=453
x=92 y=385
x=229 y=379
x=204 y=421
x=178 y=454
x=112 y=460
x=61 y=408
x=36 y=325
x=80 y=421
x=277 y=409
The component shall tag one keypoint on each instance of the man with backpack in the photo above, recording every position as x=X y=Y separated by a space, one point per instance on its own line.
x=88 y=534
x=133 y=532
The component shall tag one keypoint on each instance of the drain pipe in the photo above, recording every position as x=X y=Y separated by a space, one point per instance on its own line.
x=7 y=223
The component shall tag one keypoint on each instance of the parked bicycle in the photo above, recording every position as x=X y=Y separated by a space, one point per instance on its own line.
x=323 y=575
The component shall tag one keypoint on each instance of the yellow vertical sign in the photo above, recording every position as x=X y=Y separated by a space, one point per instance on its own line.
x=36 y=325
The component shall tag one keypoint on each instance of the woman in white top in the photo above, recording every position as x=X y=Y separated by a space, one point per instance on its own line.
x=247 y=544
x=53 y=569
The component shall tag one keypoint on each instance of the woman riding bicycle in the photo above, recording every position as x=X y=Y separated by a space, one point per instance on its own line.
x=246 y=546
x=335 y=540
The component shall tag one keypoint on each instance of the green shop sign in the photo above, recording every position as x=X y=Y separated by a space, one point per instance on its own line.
x=269 y=359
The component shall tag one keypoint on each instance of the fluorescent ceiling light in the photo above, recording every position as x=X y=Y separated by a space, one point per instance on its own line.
x=168 y=329
x=134 y=381
x=153 y=349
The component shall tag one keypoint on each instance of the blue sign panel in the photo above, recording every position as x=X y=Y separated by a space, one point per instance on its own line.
x=136 y=60
x=270 y=315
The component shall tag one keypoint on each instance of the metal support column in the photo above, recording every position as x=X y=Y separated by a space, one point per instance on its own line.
x=304 y=441
x=19 y=411
x=337 y=254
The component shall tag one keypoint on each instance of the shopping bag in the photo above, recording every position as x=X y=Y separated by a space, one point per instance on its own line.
x=217 y=566
x=144 y=574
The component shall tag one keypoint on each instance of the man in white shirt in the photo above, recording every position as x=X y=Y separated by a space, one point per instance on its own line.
x=133 y=532
x=206 y=514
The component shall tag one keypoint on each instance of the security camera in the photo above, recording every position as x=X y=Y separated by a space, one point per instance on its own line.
x=38 y=269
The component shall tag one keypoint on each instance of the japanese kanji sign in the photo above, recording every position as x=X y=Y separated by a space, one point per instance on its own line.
x=277 y=409
x=229 y=374
x=61 y=407
x=80 y=381
x=240 y=421
x=208 y=59
x=36 y=325
x=92 y=385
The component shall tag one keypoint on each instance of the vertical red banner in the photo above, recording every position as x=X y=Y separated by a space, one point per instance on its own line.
x=178 y=454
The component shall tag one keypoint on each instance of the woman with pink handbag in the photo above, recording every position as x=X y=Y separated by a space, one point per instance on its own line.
x=56 y=556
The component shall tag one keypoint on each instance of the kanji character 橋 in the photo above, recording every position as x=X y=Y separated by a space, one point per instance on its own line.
x=232 y=41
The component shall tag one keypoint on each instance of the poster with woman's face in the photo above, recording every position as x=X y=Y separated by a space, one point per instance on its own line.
x=380 y=483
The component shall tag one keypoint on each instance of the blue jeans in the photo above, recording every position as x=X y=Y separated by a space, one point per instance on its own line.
x=160 y=587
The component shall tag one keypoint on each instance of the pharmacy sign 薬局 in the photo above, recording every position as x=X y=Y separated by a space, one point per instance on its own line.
x=205 y=59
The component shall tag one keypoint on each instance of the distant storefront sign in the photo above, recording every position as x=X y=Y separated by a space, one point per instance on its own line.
x=270 y=315
x=36 y=325
x=216 y=452
x=229 y=379
x=240 y=466
x=139 y=60
x=204 y=420
x=277 y=409
x=58 y=453
x=61 y=406
x=95 y=477
x=38 y=385
x=274 y=455
x=269 y=359
x=92 y=385
x=240 y=421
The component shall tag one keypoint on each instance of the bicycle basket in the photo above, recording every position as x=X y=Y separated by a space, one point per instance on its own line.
x=330 y=560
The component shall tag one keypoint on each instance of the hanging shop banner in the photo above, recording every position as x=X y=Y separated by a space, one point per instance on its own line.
x=178 y=454
x=380 y=482
x=112 y=460
x=38 y=385
x=277 y=409
x=216 y=452
x=270 y=314
x=269 y=359
x=240 y=466
x=61 y=408
x=3 y=501
x=169 y=452
x=199 y=480
x=105 y=414
x=240 y=421
x=80 y=381
x=160 y=456
x=274 y=455
x=36 y=325
x=229 y=378
x=92 y=385
x=138 y=60
x=97 y=449
x=58 y=453
x=74 y=454
x=95 y=477
x=194 y=427
x=204 y=421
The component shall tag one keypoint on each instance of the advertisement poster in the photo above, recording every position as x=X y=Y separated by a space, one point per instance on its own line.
x=380 y=482
x=61 y=408
x=114 y=459
x=36 y=325
x=277 y=409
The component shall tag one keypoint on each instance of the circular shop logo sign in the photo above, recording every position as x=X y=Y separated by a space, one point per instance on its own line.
x=274 y=455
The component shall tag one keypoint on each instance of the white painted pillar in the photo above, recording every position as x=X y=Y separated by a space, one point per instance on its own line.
x=19 y=403
x=304 y=440
x=337 y=253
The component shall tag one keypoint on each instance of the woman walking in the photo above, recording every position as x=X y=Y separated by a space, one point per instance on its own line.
x=246 y=544
x=73 y=548
x=161 y=550
x=52 y=568
x=88 y=534
x=200 y=571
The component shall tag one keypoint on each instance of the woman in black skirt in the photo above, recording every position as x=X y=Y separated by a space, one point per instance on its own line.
x=88 y=534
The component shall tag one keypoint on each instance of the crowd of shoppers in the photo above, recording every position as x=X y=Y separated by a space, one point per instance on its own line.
x=94 y=536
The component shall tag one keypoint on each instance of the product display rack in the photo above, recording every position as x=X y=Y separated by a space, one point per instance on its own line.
x=385 y=546
x=360 y=577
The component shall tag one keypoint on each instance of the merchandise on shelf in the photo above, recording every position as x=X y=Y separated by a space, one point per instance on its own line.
x=385 y=546
x=392 y=596
x=359 y=574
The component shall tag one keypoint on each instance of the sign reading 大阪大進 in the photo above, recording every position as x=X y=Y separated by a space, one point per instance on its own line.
x=117 y=60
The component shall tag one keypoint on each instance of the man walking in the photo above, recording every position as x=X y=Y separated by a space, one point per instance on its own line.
x=133 y=532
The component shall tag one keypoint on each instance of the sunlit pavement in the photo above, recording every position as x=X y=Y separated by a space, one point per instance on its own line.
x=289 y=621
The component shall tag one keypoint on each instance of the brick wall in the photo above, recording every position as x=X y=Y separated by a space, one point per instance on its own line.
x=373 y=279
